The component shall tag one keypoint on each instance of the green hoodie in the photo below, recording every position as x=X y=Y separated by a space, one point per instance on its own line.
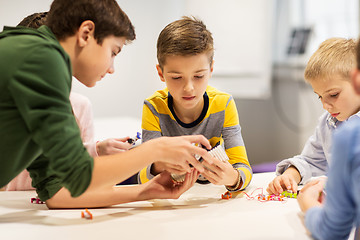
x=38 y=130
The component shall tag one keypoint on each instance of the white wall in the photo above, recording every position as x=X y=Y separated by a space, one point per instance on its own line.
x=135 y=77
x=13 y=11
x=242 y=32
x=120 y=94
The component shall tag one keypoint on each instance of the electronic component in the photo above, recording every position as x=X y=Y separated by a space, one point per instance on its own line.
x=218 y=152
x=133 y=140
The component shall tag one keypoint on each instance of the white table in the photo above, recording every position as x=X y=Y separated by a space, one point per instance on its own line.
x=200 y=213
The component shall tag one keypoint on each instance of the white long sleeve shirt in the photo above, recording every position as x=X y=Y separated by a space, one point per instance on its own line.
x=316 y=155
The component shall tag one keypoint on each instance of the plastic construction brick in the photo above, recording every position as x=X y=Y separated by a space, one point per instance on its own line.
x=86 y=214
x=226 y=195
x=133 y=140
x=289 y=194
x=36 y=200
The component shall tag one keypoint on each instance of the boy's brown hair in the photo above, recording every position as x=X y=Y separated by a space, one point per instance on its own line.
x=34 y=20
x=184 y=37
x=334 y=57
x=66 y=16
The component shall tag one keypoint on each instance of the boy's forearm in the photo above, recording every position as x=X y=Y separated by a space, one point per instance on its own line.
x=91 y=199
x=112 y=169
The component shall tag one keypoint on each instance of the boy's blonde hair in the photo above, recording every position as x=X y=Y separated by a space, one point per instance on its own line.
x=185 y=37
x=334 y=57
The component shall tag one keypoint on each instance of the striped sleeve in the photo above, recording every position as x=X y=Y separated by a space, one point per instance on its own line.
x=234 y=144
x=150 y=130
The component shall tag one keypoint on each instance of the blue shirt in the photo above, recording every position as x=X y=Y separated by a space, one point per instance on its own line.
x=316 y=155
x=341 y=209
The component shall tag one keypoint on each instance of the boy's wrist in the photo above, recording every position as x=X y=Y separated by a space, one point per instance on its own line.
x=293 y=172
x=237 y=184
x=154 y=170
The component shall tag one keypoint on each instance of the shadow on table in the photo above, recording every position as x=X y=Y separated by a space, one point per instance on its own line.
x=43 y=216
x=33 y=217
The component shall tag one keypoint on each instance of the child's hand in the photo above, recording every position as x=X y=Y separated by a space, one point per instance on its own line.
x=309 y=195
x=287 y=181
x=180 y=151
x=158 y=167
x=162 y=186
x=112 y=146
x=221 y=173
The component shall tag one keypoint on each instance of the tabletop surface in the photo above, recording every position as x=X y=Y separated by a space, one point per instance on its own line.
x=200 y=213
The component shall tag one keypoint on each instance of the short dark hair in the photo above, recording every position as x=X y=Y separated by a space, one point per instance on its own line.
x=66 y=16
x=34 y=20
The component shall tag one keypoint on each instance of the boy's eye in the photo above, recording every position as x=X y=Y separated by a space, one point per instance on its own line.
x=176 y=78
x=334 y=95
x=199 y=77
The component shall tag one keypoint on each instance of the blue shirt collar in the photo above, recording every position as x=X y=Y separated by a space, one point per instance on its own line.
x=333 y=122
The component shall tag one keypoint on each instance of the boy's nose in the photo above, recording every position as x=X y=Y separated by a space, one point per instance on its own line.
x=188 y=86
x=111 y=69
x=327 y=106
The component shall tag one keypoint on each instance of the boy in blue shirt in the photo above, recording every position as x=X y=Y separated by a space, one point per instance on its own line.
x=335 y=218
x=37 y=126
x=328 y=72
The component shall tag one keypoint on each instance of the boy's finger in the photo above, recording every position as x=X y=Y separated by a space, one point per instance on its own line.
x=206 y=156
x=278 y=188
x=196 y=164
x=177 y=171
x=287 y=184
x=117 y=150
x=294 y=186
x=190 y=179
x=199 y=139
x=185 y=166
x=195 y=175
x=209 y=176
x=210 y=167
x=122 y=139
x=121 y=145
x=270 y=189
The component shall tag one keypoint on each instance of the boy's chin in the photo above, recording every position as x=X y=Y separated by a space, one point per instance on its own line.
x=89 y=84
x=340 y=118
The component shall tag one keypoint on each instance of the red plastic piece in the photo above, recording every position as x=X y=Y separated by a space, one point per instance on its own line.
x=86 y=214
x=226 y=195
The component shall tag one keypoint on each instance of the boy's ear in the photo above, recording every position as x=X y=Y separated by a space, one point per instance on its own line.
x=212 y=66
x=355 y=77
x=86 y=32
x=160 y=72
